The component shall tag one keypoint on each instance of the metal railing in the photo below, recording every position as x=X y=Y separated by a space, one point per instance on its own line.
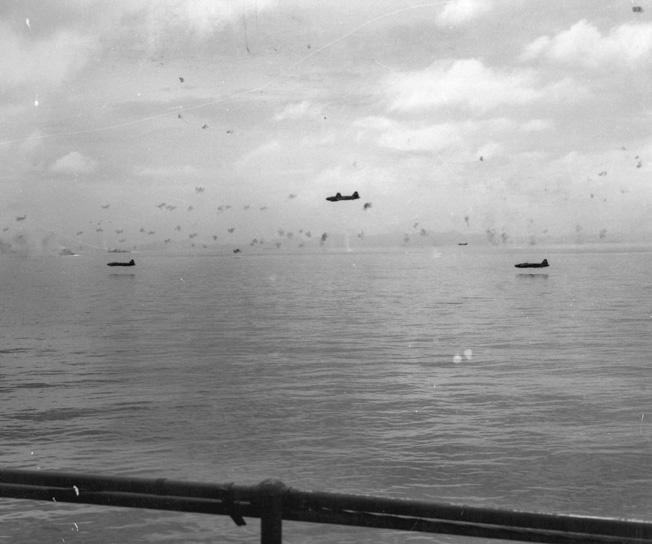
x=273 y=502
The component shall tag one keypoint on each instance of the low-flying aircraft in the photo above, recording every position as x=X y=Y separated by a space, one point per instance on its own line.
x=542 y=264
x=339 y=197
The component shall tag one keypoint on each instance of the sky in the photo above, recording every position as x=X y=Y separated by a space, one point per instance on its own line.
x=217 y=121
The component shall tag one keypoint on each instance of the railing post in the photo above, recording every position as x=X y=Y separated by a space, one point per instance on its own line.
x=271 y=511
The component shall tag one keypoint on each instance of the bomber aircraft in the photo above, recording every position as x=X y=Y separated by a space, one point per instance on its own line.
x=339 y=197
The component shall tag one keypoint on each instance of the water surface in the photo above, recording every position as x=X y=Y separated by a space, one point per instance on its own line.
x=435 y=374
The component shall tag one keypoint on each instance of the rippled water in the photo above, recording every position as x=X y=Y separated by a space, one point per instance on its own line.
x=443 y=375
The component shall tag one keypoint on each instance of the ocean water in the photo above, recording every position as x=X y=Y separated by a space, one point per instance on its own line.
x=441 y=374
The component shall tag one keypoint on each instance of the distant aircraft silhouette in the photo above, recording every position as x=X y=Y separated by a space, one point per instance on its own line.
x=542 y=264
x=339 y=197
x=130 y=263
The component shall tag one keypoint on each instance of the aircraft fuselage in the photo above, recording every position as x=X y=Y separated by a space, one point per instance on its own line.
x=338 y=197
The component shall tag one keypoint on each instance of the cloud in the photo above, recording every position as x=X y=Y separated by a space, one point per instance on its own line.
x=468 y=83
x=270 y=147
x=491 y=149
x=461 y=11
x=464 y=83
x=50 y=60
x=31 y=144
x=584 y=45
x=205 y=16
x=175 y=24
x=62 y=36
x=299 y=110
x=376 y=123
x=429 y=138
x=537 y=125
x=438 y=137
x=74 y=163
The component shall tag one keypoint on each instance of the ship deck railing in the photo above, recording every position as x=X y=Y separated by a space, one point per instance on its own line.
x=274 y=502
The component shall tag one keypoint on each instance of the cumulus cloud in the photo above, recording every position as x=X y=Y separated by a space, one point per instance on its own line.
x=437 y=137
x=461 y=11
x=584 y=45
x=74 y=163
x=466 y=82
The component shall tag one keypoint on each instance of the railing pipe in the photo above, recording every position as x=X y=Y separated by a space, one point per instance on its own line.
x=319 y=502
x=159 y=486
x=272 y=501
